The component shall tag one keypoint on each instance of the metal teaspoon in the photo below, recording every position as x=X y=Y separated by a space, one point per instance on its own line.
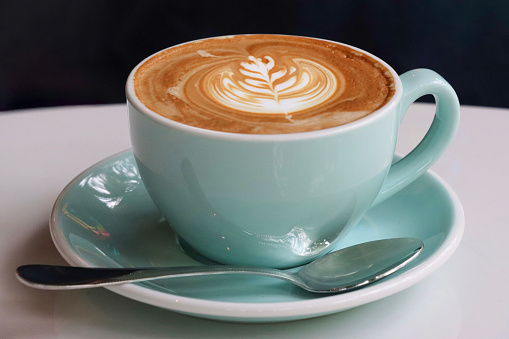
x=340 y=271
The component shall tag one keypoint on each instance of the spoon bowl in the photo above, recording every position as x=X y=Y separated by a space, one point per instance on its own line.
x=337 y=272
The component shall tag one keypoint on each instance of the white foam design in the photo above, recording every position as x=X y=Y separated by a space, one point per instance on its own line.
x=261 y=87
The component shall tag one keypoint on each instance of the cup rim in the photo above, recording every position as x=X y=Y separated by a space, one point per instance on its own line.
x=133 y=100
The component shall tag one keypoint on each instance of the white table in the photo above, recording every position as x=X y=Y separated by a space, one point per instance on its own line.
x=41 y=150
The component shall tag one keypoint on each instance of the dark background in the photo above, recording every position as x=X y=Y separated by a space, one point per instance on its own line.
x=81 y=52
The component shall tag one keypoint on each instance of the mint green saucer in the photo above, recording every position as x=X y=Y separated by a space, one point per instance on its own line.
x=105 y=218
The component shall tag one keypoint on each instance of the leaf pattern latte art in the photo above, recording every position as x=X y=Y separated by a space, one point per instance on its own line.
x=259 y=86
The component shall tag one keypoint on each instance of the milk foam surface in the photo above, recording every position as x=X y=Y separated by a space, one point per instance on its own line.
x=263 y=84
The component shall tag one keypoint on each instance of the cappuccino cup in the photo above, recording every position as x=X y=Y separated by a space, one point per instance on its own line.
x=265 y=150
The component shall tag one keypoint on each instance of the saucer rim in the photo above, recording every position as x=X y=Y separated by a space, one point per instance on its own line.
x=271 y=311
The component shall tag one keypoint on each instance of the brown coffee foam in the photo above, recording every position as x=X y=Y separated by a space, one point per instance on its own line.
x=170 y=84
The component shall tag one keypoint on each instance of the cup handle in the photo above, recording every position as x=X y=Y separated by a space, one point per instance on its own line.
x=417 y=83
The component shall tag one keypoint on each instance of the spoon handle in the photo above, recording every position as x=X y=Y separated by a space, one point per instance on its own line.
x=51 y=277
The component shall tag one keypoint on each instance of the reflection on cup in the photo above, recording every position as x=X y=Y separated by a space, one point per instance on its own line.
x=266 y=149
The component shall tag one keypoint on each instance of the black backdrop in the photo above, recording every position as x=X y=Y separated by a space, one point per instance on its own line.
x=80 y=52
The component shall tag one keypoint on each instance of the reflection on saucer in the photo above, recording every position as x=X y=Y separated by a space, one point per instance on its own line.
x=105 y=218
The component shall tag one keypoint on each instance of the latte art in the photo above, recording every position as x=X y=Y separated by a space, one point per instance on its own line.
x=263 y=84
x=258 y=86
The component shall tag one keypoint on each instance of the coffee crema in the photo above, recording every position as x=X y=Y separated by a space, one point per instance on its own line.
x=263 y=84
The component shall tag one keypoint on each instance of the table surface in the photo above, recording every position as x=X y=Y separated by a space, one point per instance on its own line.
x=43 y=149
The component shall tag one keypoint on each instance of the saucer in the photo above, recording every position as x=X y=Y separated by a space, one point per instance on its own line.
x=105 y=218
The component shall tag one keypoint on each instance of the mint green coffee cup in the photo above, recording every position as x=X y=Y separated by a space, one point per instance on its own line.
x=281 y=200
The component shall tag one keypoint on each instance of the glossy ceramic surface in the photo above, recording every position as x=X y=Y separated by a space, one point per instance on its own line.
x=280 y=200
x=105 y=218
